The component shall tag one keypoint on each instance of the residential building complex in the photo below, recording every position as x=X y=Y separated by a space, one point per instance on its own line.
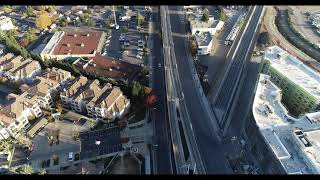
x=300 y=84
x=16 y=68
x=39 y=95
x=100 y=102
x=73 y=44
x=294 y=142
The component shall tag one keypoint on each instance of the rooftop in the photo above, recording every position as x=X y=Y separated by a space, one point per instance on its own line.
x=52 y=43
x=111 y=68
x=198 y=23
x=76 y=87
x=78 y=42
x=203 y=38
x=278 y=129
x=303 y=76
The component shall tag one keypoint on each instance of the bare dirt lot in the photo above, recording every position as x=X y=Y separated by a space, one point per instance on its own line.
x=303 y=24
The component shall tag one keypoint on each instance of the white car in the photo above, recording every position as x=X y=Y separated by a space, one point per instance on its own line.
x=117 y=26
x=140 y=49
x=138 y=56
x=159 y=65
x=107 y=41
x=140 y=53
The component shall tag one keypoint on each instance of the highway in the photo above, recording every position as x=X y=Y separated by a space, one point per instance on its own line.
x=162 y=144
x=243 y=51
x=206 y=139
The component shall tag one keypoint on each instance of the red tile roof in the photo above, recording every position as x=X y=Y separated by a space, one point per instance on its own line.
x=112 y=68
x=85 y=42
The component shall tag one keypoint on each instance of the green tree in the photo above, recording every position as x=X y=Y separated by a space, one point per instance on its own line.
x=29 y=12
x=193 y=47
x=264 y=39
x=63 y=22
x=124 y=28
x=205 y=16
x=92 y=124
x=222 y=15
x=91 y=23
x=25 y=169
x=51 y=8
x=31 y=34
x=42 y=172
x=140 y=19
x=136 y=89
x=7 y=9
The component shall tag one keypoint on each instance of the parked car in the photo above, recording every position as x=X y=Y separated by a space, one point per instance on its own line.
x=138 y=56
x=70 y=157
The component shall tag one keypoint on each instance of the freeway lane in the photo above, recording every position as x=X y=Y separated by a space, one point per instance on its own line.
x=208 y=144
x=230 y=84
x=159 y=115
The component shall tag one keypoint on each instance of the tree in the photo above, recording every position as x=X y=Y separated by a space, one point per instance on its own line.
x=7 y=9
x=92 y=124
x=51 y=8
x=193 y=47
x=29 y=12
x=222 y=15
x=124 y=28
x=25 y=169
x=264 y=39
x=63 y=22
x=136 y=89
x=40 y=8
x=140 y=19
x=42 y=172
x=205 y=16
x=31 y=34
x=91 y=23
x=43 y=20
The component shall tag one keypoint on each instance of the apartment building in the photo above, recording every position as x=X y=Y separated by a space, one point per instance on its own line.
x=25 y=71
x=112 y=104
x=8 y=61
x=100 y=102
x=15 y=115
x=69 y=94
x=40 y=94
x=17 y=68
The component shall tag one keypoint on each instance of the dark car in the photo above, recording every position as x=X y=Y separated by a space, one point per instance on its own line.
x=76 y=156
x=48 y=163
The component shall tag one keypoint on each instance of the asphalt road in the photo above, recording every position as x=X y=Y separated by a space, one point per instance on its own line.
x=207 y=141
x=230 y=83
x=159 y=115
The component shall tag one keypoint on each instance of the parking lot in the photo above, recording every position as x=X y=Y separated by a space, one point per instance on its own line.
x=44 y=154
x=126 y=46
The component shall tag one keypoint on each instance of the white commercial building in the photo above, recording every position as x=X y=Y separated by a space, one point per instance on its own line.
x=292 y=68
x=204 y=42
x=294 y=142
x=198 y=26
